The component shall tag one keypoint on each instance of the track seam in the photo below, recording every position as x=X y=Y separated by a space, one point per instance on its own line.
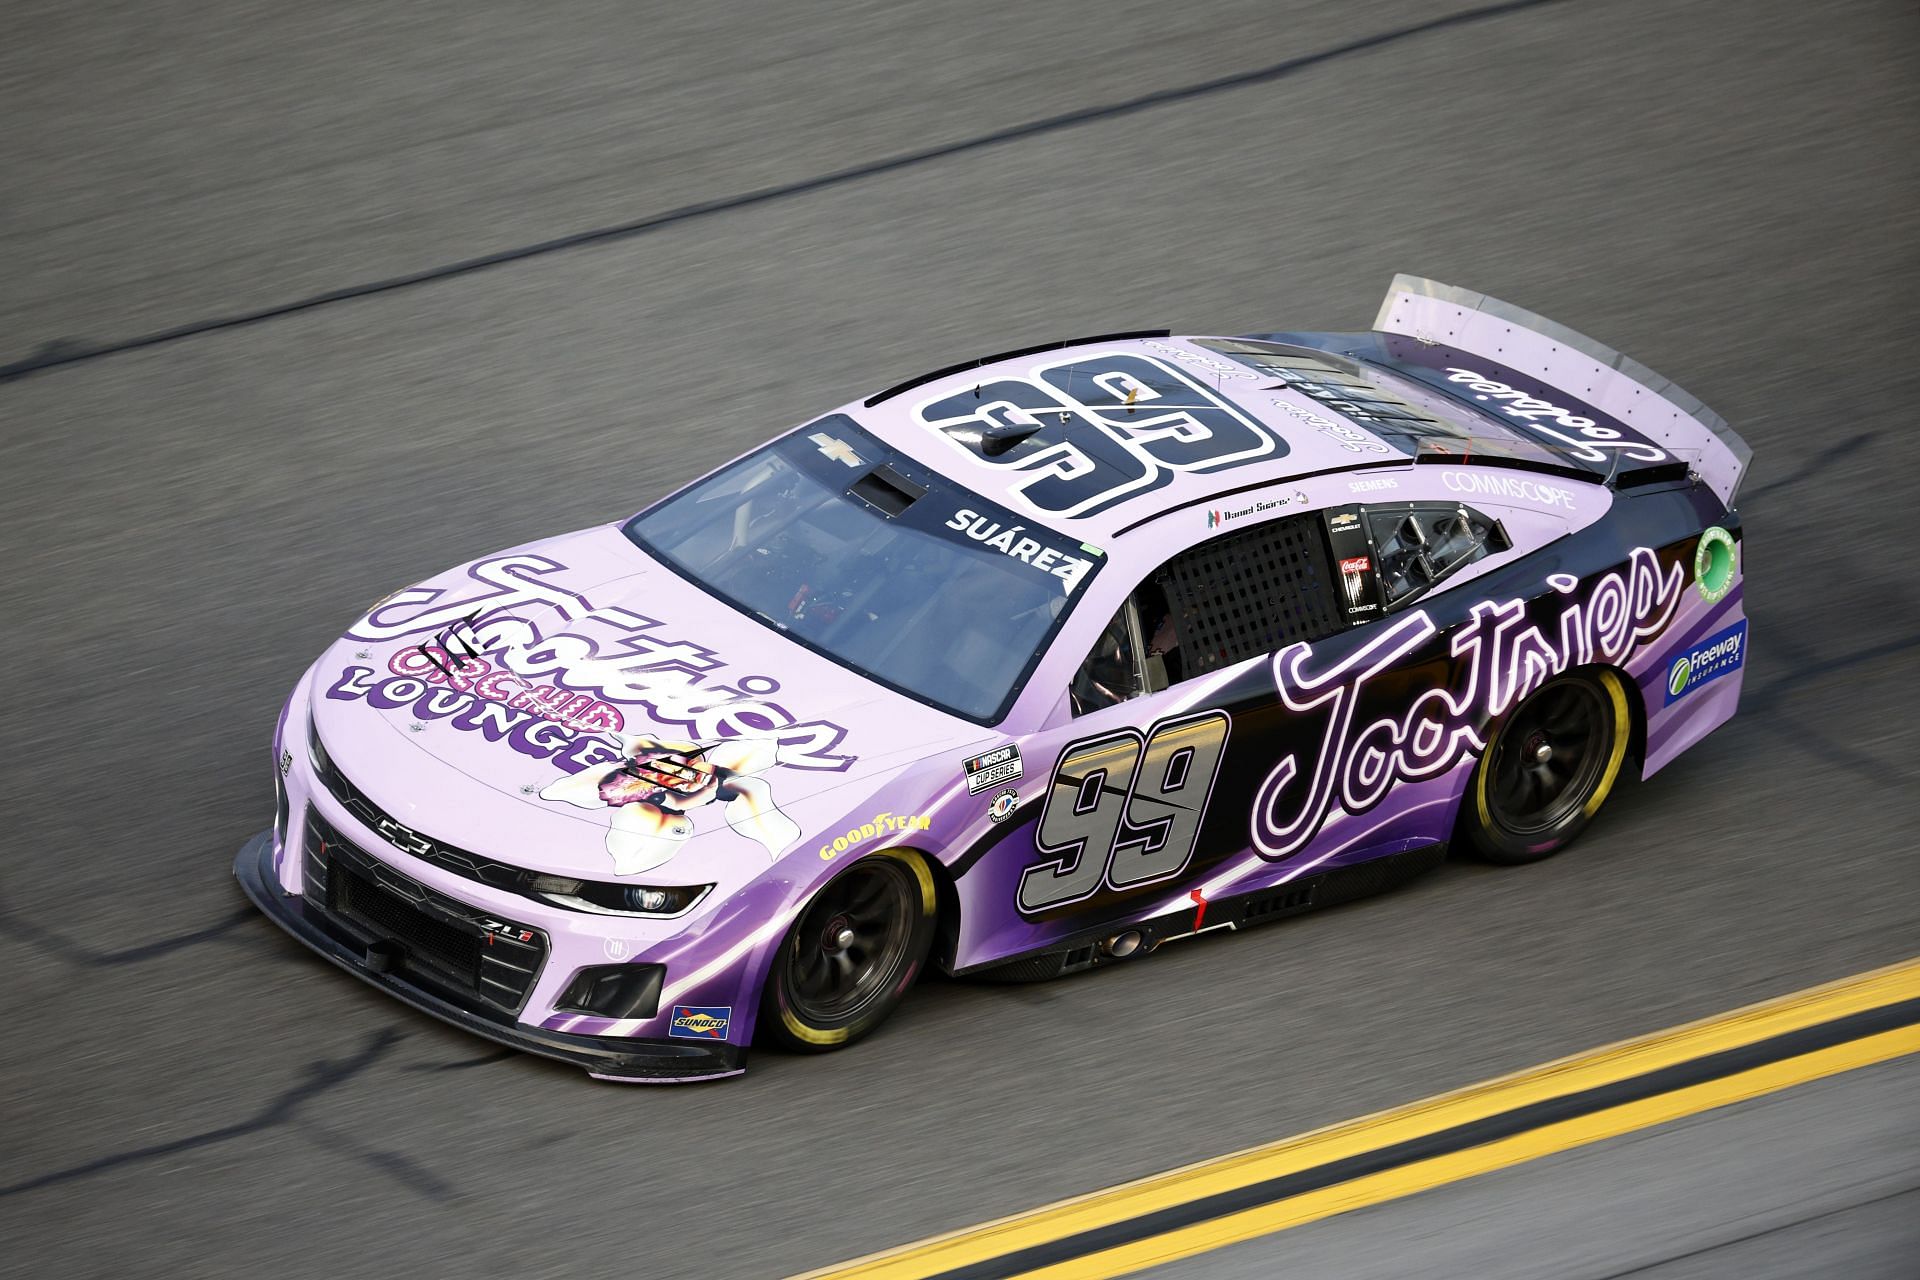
x=63 y=353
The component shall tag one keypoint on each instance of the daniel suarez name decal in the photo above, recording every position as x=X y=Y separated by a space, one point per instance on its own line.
x=1502 y=657
x=1013 y=541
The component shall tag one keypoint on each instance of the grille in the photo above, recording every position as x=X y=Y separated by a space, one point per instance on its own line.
x=471 y=865
x=482 y=962
x=445 y=946
x=1251 y=593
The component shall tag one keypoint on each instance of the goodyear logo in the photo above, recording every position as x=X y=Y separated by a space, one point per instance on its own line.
x=1711 y=658
x=700 y=1022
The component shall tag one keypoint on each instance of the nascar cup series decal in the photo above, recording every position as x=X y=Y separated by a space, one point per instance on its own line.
x=1719 y=654
x=1002 y=764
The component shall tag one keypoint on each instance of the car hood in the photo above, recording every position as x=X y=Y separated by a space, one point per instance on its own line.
x=573 y=706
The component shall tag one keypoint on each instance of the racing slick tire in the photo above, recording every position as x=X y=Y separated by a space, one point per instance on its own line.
x=1550 y=765
x=852 y=953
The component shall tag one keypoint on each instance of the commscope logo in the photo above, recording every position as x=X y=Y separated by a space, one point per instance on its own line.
x=1498 y=486
x=1712 y=658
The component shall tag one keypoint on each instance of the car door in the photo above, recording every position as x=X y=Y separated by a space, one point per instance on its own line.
x=1179 y=767
x=1137 y=782
x=1174 y=769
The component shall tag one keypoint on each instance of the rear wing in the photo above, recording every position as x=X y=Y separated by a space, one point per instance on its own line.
x=1610 y=410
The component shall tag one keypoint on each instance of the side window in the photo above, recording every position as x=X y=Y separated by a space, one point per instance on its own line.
x=1111 y=671
x=1249 y=593
x=1238 y=596
x=1417 y=545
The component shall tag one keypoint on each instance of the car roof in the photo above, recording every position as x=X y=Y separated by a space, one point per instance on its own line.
x=925 y=418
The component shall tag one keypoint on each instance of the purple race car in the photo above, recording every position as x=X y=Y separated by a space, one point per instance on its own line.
x=1027 y=666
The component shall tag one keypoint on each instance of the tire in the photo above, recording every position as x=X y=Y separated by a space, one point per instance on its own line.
x=825 y=991
x=1550 y=765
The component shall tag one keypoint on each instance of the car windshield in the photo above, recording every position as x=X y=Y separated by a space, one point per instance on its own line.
x=876 y=562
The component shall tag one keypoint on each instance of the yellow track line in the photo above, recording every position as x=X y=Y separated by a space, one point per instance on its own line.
x=1598 y=1067
x=1531 y=1145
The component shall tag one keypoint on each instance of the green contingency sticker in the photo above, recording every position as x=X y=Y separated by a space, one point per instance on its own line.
x=1714 y=562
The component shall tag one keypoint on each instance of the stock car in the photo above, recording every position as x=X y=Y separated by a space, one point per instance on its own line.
x=1024 y=667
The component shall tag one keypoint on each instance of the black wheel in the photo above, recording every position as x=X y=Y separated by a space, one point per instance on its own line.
x=852 y=954
x=1550 y=766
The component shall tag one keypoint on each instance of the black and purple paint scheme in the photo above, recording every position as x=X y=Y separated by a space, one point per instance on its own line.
x=1024 y=667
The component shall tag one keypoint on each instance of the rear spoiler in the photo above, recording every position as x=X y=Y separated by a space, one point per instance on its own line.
x=1619 y=392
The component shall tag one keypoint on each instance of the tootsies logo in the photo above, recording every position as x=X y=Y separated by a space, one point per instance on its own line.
x=531 y=735
x=1500 y=656
x=1579 y=435
x=587 y=677
x=469 y=674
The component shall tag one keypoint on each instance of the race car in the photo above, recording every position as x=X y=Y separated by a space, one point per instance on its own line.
x=1028 y=666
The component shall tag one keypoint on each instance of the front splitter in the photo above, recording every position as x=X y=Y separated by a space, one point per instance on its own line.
x=603 y=1057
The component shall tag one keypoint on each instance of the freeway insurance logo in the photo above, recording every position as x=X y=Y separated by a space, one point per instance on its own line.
x=1718 y=654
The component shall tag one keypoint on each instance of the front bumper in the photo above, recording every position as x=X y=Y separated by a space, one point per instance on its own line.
x=604 y=1057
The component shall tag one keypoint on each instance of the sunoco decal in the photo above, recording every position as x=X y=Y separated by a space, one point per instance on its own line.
x=1719 y=654
x=700 y=1022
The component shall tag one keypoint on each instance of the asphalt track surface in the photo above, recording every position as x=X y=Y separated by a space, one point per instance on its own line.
x=1822 y=1180
x=206 y=478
